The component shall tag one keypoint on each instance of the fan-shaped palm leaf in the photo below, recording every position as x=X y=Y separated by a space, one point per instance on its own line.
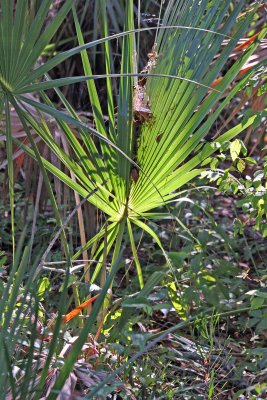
x=187 y=43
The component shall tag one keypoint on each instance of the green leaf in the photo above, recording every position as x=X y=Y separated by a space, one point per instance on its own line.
x=152 y=281
x=241 y=165
x=137 y=302
x=43 y=286
x=235 y=149
x=136 y=259
x=257 y=302
x=251 y=160
x=176 y=300
x=258 y=176
x=262 y=325
x=214 y=163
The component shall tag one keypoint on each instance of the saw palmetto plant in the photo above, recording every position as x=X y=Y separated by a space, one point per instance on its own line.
x=140 y=168
x=156 y=134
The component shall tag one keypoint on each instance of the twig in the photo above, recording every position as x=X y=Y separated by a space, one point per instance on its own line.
x=51 y=244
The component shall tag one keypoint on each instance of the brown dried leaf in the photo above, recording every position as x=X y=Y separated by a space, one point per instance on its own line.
x=67 y=392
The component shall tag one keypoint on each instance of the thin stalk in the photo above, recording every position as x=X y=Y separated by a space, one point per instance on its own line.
x=10 y=169
x=135 y=255
x=103 y=278
x=118 y=243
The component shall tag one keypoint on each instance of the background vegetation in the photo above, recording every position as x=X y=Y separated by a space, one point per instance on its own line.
x=133 y=203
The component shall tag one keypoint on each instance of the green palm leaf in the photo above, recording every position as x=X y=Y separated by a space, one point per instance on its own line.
x=180 y=107
x=189 y=57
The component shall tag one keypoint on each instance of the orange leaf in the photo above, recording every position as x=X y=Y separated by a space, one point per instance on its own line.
x=68 y=317
x=247 y=42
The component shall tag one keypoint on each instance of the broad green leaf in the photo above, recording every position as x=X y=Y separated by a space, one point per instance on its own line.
x=235 y=149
